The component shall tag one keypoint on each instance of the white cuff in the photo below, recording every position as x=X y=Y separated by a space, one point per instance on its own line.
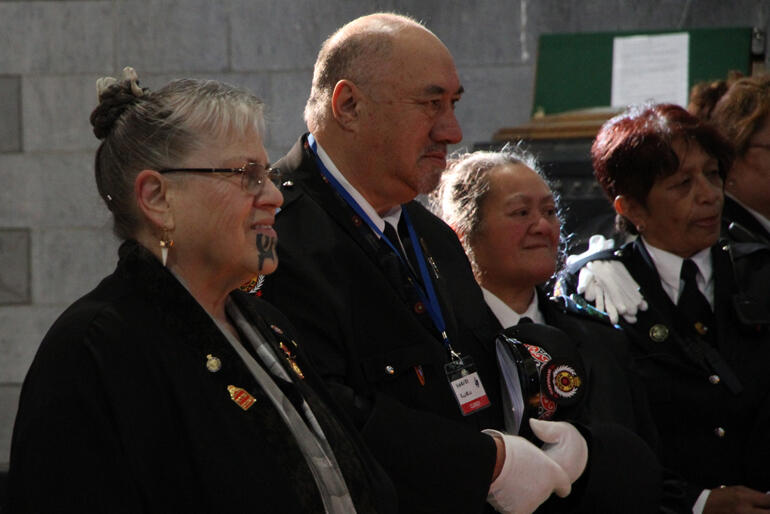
x=700 y=503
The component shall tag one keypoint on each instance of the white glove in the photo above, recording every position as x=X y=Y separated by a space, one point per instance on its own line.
x=527 y=479
x=596 y=243
x=563 y=444
x=612 y=289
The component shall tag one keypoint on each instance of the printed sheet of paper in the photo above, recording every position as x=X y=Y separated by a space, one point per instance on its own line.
x=650 y=68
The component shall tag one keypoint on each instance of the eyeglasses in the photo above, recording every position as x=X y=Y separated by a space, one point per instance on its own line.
x=253 y=175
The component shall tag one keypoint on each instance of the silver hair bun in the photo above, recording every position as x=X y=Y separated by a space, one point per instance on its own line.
x=115 y=96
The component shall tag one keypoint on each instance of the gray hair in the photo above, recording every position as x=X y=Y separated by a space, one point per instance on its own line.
x=464 y=187
x=354 y=52
x=140 y=130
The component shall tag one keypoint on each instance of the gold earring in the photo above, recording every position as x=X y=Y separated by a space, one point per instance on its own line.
x=165 y=243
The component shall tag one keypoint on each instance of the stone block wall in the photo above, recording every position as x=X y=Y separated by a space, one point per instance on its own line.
x=55 y=237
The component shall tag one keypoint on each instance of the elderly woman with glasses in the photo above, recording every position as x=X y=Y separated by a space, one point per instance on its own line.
x=701 y=356
x=165 y=389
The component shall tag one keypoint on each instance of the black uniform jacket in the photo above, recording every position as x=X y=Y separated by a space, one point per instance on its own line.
x=371 y=338
x=615 y=393
x=709 y=434
x=623 y=473
x=126 y=408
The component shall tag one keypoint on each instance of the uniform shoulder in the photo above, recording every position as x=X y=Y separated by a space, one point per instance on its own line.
x=603 y=255
x=428 y=224
x=567 y=279
x=575 y=305
x=97 y=319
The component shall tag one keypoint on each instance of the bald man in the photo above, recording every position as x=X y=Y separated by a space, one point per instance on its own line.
x=381 y=289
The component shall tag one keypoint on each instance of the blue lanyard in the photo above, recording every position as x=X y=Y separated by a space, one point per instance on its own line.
x=431 y=301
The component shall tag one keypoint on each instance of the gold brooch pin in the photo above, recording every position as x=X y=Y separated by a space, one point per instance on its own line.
x=291 y=360
x=241 y=397
x=659 y=333
x=213 y=364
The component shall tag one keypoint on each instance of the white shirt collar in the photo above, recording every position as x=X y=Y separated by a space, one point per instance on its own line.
x=669 y=268
x=392 y=216
x=509 y=317
x=761 y=219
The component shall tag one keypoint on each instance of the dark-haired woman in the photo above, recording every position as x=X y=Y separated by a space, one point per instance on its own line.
x=164 y=389
x=704 y=369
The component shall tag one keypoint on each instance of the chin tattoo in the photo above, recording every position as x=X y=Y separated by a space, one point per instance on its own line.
x=266 y=248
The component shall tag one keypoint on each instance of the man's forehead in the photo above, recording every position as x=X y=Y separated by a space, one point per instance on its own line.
x=435 y=89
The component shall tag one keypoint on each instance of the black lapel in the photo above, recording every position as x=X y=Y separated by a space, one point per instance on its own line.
x=724 y=289
x=733 y=211
x=642 y=268
x=315 y=185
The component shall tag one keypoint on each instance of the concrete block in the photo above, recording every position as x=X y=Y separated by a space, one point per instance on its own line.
x=740 y=13
x=10 y=117
x=23 y=329
x=55 y=37
x=9 y=404
x=495 y=97
x=51 y=190
x=14 y=266
x=479 y=33
x=55 y=112
x=20 y=192
x=67 y=263
x=168 y=36
x=566 y=16
x=275 y=34
x=288 y=93
x=672 y=14
x=68 y=193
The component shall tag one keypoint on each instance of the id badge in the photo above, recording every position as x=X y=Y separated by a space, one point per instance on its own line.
x=466 y=385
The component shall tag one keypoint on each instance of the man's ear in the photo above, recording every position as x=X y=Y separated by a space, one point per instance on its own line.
x=345 y=104
x=151 y=193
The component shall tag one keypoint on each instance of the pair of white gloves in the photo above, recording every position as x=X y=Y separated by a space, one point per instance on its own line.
x=608 y=283
x=530 y=474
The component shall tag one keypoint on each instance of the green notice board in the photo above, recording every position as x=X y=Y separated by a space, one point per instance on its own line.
x=574 y=71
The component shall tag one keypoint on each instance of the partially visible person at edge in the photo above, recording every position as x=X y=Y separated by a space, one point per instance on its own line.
x=742 y=114
x=705 y=95
x=383 y=293
x=702 y=365
x=163 y=389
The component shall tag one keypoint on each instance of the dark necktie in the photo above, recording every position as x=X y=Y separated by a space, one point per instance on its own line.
x=392 y=234
x=693 y=306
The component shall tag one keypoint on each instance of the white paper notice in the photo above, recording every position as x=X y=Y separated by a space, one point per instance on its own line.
x=650 y=68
